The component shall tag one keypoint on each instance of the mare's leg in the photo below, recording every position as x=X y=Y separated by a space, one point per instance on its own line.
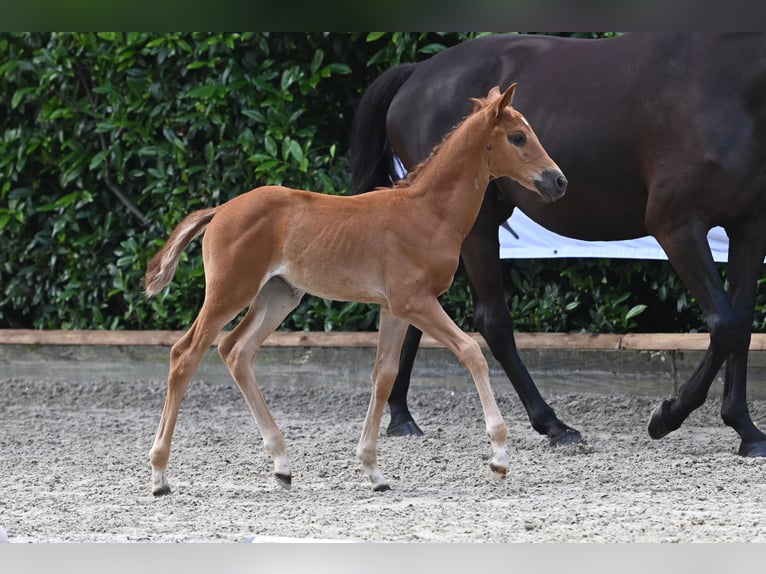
x=481 y=259
x=390 y=337
x=428 y=315
x=185 y=357
x=687 y=249
x=747 y=248
x=402 y=423
x=238 y=349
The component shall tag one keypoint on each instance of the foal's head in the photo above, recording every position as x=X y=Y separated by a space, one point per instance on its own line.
x=514 y=149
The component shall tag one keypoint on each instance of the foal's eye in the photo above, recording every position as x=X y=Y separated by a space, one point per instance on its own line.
x=517 y=139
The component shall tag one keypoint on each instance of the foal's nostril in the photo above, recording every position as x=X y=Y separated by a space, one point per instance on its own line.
x=552 y=184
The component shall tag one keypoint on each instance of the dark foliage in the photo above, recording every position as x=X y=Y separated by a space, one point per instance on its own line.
x=108 y=139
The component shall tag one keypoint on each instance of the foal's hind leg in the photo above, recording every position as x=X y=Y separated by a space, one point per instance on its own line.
x=238 y=349
x=427 y=314
x=390 y=337
x=185 y=357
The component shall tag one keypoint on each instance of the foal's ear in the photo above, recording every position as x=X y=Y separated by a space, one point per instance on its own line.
x=493 y=93
x=505 y=100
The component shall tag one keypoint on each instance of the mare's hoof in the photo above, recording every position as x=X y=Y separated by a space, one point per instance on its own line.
x=381 y=488
x=284 y=480
x=658 y=428
x=162 y=491
x=406 y=428
x=568 y=437
x=753 y=449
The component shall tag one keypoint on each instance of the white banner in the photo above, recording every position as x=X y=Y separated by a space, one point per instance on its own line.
x=531 y=241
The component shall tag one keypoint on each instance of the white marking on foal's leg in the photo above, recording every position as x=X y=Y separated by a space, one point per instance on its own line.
x=160 y=485
x=498 y=437
x=367 y=449
x=282 y=471
x=368 y=458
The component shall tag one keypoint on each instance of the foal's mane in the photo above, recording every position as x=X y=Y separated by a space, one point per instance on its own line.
x=411 y=176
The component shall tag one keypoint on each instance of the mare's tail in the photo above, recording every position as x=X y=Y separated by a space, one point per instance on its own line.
x=372 y=159
x=163 y=265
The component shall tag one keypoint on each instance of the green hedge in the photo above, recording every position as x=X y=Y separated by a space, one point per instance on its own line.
x=108 y=139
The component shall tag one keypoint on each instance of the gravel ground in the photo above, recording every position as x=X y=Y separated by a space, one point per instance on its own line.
x=74 y=468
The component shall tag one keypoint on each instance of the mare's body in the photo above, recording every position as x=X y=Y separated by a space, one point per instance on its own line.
x=659 y=134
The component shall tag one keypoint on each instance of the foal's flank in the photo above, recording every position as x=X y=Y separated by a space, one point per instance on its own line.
x=396 y=248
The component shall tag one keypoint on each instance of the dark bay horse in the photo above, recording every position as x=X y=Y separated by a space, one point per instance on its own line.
x=659 y=134
x=396 y=248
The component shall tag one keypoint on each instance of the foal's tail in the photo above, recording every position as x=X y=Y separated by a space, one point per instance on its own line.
x=372 y=159
x=163 y=265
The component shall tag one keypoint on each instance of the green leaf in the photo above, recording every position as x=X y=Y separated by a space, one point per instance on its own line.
x=205 y=91
x=173 y=138
x=316 y=61
x=270 y=145
x=197 y=64
x=289 y=77
x=635 y=311
x=98 y=159
x=294 y=149
x=254 y=115
x=19 y=95
x=373 y=36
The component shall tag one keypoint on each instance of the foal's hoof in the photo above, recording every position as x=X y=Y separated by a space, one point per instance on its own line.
x=754 y=449
x=498 y=470
x=161 y=491
x=406 y=428
x=284 y=480
x=568 y=437
x=658 y=426
x=381 y=488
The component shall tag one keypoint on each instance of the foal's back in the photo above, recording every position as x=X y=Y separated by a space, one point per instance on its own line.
x=338 y=247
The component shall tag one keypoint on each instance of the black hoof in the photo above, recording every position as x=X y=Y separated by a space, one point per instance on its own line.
x=406 y=428
x=754 y=449
x=381 y=488
x=569 y=436
x=658 y=427
x=284 y=480
x=164 y=491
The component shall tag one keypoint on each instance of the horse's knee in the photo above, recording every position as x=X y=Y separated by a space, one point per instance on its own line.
x=479 y=317
x=493 y=324
x=490 y=321
x=224 y=349
x=232 y=352
x=729 y=333
x=470 y=356
x=180 y=356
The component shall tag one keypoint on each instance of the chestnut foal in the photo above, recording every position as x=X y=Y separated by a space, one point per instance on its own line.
x=396 y=248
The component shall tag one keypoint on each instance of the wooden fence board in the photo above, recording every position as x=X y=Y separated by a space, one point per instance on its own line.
x=628 y=342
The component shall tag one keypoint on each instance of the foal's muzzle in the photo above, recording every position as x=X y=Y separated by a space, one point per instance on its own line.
x=551 y=185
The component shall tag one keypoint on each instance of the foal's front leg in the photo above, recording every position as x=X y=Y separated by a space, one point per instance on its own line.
x=428 y=315
x=390 y=338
